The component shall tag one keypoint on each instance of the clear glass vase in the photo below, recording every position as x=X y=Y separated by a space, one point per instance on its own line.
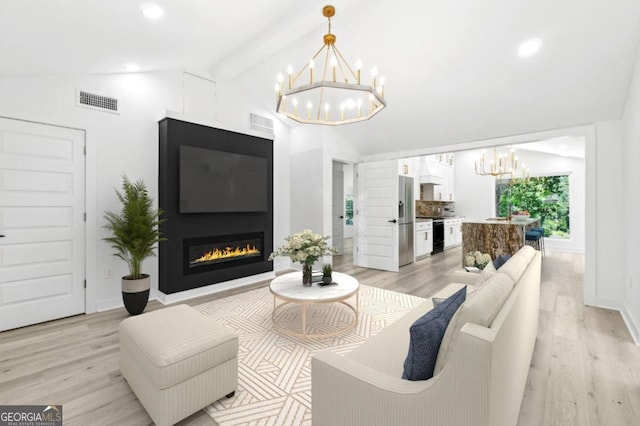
x=306 y=275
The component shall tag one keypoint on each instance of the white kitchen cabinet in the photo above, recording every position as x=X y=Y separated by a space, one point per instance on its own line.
x=437 y=178
x=452 y=232
x=450 y=190
x=424 y=238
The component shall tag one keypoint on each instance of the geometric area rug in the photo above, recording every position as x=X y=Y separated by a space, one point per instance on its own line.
x=274 y=369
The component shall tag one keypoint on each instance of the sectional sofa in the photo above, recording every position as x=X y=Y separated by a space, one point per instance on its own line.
x=481 y=369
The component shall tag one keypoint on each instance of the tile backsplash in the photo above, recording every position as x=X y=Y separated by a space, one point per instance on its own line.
x=434 y=208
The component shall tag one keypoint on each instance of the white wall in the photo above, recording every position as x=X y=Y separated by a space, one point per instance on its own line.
x=474 y=194
x=631 y=206
x=313 y=150
x=128 y=143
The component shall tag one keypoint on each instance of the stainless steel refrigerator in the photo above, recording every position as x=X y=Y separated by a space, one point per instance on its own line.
x=405 y=220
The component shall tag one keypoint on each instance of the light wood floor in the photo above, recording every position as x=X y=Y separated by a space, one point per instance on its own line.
x=585 y=369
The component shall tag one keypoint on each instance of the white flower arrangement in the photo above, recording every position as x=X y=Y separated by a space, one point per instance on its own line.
x=477 y=259
x=304 y=247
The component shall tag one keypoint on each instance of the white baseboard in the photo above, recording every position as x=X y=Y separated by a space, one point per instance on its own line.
x=166 y=299
x=107 y=305
x=600 y=302
x=633 y=326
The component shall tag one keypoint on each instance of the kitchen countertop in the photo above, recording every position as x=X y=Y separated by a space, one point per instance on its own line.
x=496 y=221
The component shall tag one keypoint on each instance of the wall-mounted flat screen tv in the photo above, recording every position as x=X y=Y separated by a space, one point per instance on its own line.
x=214 y=181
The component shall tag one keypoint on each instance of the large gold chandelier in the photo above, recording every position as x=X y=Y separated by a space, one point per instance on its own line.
x=502 y=164
x=338 y=97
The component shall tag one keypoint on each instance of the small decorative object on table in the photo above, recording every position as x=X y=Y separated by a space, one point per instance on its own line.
x=476 y=259
x=326 y=273
x=305 y=247
x=520 y=215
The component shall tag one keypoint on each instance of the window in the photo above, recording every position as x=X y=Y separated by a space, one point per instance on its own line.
x=544 y=197
x=348 y=204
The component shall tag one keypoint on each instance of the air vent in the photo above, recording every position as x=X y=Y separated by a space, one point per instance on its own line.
x=263 y=124
x=103 y=103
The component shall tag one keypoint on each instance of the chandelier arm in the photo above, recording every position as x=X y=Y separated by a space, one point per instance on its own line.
x=345 y=62
x=340 y=60
x=326 y=63
x=307 y=64
x=320 y=103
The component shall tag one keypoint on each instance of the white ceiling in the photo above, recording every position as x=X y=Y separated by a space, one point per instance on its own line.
x=451 y=67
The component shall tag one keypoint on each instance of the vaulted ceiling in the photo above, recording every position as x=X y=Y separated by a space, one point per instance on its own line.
x=452 y=69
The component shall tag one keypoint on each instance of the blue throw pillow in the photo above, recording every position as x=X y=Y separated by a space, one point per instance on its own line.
x=426 y=335
x=501 y=260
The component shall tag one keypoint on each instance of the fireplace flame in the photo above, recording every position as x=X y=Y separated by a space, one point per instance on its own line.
x=226 y=253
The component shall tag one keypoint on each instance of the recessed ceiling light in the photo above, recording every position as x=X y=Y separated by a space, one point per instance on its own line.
x=131 y=67
x=152 y=11
x=529 y=47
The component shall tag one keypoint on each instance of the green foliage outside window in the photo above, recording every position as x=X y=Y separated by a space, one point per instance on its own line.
x=545 y=197
x=348 y=217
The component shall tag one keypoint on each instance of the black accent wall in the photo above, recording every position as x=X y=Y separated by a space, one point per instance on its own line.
x=180 y=226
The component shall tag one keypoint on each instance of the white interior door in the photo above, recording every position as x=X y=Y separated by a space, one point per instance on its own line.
x=42 y=253
x=337 y=209
x=376 y=215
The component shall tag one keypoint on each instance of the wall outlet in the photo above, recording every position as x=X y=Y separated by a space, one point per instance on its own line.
x=108 y=273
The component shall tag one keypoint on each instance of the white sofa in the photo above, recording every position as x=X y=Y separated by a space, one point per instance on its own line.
x=481 y=370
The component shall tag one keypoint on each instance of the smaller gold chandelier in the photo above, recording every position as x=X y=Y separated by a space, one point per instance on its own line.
x=501 y=165
x=339 y=97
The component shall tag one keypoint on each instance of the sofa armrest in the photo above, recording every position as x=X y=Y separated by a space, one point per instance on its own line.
x=345 y=392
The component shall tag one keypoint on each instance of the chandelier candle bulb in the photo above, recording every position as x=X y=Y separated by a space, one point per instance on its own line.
x=326 y=112
x=295 y=106
x=290 y=73
x=342 y=111
x=374 y=73
x=358 y=69
x=312 y=63
x=334 y=62
x=309 y=107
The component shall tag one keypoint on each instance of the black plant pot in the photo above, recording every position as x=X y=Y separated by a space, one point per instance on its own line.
x=135 y=294
x=135 y=302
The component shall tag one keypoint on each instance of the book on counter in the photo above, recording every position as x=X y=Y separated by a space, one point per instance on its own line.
x=316 y=276
x=472 y=269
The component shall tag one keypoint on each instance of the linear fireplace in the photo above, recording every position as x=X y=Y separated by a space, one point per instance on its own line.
x=219 y=224
x=222 y=251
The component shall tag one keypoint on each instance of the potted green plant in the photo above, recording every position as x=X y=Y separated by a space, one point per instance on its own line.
x=326 y=273
x=134 y=234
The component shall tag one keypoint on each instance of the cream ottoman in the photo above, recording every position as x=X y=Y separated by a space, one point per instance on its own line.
x=177 y=361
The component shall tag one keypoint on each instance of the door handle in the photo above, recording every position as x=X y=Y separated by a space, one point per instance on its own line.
x=392 y=221
x=341 y=217
x=2 y=236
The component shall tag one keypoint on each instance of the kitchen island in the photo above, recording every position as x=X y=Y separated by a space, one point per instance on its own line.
x=495 y=236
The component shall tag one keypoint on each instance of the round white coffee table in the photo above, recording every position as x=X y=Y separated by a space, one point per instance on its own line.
x=289 y=289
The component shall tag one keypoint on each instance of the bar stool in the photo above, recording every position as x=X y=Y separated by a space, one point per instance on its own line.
x=541 y=231
x=533 y=239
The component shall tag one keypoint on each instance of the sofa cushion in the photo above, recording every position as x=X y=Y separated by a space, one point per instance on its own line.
x=426 y=336
x=480 y=308
x=515 y=266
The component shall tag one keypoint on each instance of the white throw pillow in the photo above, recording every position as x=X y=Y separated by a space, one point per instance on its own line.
x=480 y=308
